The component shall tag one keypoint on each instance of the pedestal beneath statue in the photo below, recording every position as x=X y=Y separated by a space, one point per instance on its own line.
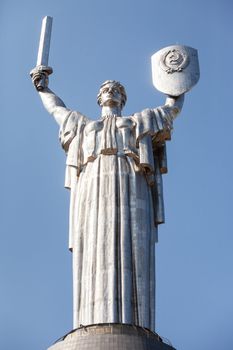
x=111 y=336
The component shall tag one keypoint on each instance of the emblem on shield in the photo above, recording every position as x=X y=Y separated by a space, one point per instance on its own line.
x=175 y=69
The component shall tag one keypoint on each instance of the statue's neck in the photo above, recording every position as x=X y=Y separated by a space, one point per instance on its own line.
x=106 y=110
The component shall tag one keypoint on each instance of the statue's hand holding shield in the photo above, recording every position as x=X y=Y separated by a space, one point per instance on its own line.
x=175 y=69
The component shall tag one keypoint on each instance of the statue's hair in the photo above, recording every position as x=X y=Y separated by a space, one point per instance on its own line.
x=118 y=85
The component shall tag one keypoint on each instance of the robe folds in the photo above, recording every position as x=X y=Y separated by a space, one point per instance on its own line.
x=113 y=171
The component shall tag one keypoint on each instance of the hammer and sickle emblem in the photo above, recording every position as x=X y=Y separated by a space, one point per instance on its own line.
x=174 y=61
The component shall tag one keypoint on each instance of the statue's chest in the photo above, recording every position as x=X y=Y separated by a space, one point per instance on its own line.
x=116 y=133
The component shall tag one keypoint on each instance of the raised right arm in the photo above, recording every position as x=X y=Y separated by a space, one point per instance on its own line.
x=54 y=105
x=51 y=101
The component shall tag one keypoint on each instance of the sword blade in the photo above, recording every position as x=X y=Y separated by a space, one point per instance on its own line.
x=44 y=45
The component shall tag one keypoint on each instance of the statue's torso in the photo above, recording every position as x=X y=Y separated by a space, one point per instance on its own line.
x=111 y=135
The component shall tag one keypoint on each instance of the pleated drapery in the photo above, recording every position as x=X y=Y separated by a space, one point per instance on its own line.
x=111 y=172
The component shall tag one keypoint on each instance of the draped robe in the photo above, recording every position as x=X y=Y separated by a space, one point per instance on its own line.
x=113 y=170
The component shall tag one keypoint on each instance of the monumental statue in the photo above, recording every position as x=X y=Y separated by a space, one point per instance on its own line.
x=114 y=170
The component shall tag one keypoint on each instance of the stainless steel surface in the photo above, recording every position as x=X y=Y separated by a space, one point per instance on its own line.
x=114 y=211
x=114 y=170
x=40 y=73
x=44 y=45
x=175 y=69
x=111 y=337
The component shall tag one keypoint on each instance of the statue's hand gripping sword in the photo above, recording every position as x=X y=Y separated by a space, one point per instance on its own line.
x=42 y=70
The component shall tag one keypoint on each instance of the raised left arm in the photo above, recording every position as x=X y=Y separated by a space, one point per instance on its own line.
x=173 y=105
x=164 y=116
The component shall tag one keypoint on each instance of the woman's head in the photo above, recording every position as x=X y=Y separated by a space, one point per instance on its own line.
x=112 y=93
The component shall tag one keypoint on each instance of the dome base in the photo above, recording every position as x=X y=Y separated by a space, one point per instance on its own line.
x=111 y=336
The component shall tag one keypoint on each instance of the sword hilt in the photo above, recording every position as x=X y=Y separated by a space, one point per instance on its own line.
x=44 y=72
x=42 y=84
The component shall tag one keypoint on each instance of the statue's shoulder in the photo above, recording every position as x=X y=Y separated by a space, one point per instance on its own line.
x=78 y=117
x=145 y=113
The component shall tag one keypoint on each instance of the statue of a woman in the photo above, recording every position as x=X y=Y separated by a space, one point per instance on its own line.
x=114 y=167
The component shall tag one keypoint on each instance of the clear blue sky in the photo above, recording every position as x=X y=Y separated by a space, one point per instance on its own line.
x=93 y=41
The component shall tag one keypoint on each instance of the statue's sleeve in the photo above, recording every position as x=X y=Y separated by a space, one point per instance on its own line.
x=70 y=127
x=163 y=117
x=157 y=123
x=71 y=138
x=152 y=128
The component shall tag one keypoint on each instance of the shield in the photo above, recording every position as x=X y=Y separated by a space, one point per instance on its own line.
x=175 y=69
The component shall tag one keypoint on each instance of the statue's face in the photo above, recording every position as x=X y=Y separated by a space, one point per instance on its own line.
x=111 y=96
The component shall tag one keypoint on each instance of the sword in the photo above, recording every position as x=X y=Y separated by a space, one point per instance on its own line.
x=45 y=36
x=43 y=52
